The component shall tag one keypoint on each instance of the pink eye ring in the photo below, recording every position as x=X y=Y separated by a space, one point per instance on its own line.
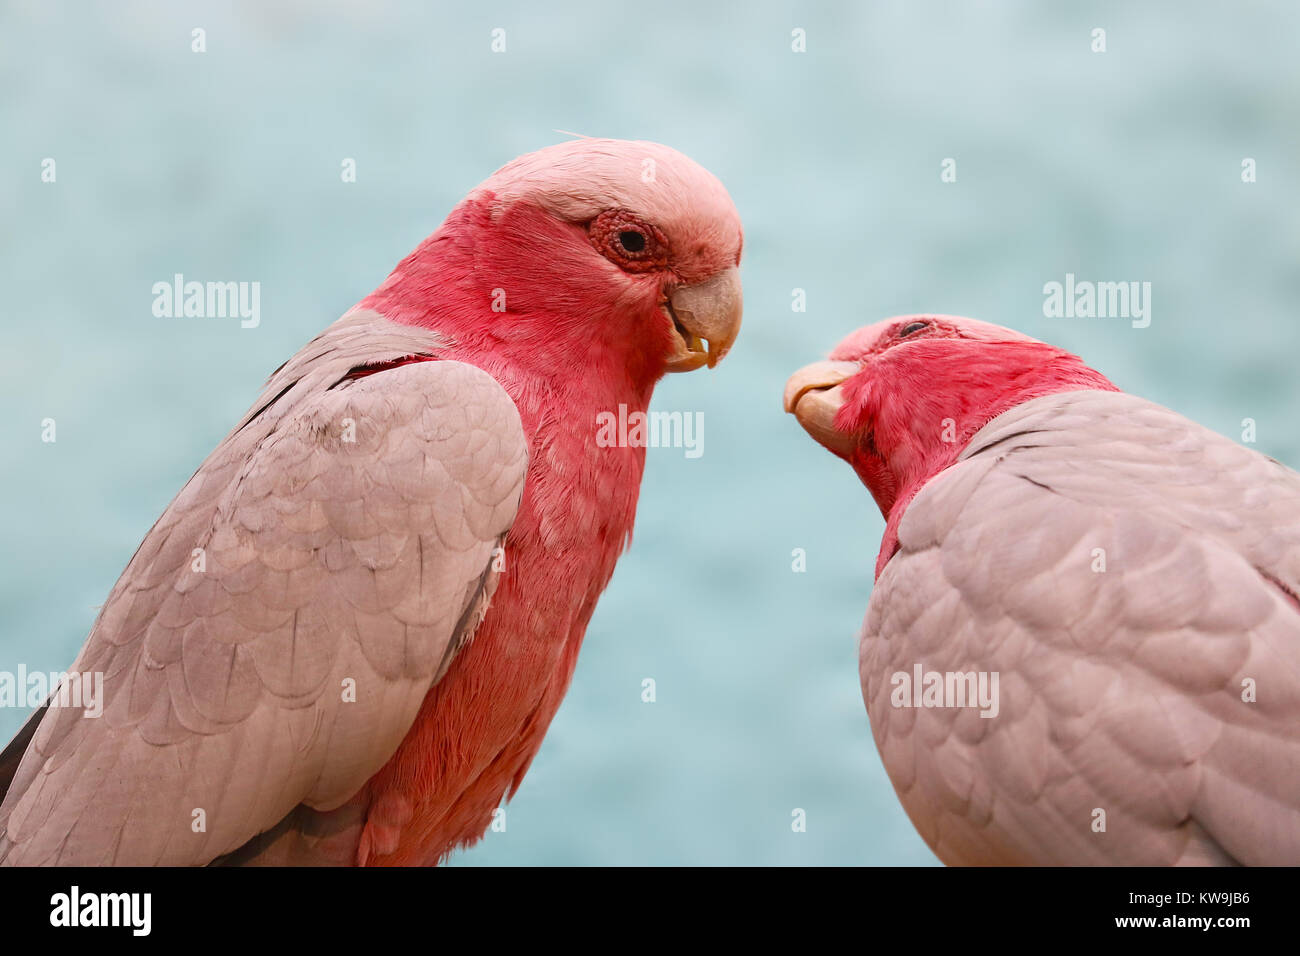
x=628 y=241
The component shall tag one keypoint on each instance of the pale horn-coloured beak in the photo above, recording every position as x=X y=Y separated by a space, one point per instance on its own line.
x=706 y=318
x=814 y=396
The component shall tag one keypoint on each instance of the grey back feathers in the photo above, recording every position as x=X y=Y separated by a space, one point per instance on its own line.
x=1131 y=577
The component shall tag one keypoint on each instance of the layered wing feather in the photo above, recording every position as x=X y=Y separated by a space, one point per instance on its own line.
x=271 y=641
x=1131 y=577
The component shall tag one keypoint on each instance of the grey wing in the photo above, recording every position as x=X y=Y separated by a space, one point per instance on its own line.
x=1131 y=578
x=271 y=641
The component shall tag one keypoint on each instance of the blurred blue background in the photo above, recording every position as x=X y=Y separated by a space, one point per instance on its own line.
x=1123 y=165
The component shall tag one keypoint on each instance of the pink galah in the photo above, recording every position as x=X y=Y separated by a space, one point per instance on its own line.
x=1083 y=645
x=343 y=641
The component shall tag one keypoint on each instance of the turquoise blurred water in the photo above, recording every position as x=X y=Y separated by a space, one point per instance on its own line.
x=1123 y=165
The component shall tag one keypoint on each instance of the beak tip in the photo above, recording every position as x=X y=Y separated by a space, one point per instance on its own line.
x=710 y=314
x=816 y=379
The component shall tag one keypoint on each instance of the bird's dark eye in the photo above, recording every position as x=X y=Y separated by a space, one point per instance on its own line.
x=910 y=328
x=628 y=241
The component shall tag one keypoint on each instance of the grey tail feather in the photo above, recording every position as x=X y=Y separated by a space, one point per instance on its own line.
x=12 y=755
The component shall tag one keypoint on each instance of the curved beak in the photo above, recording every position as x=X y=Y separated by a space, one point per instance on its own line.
x=813 y=395
x=706 y=317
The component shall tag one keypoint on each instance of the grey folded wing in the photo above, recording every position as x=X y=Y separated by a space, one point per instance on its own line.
x=271 y=641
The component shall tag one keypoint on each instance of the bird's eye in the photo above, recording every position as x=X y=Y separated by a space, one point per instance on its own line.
x=910 y=328
x=628 y=241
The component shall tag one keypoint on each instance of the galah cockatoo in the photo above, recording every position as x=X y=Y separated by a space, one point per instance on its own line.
x=344 y=639
x=1083 y=644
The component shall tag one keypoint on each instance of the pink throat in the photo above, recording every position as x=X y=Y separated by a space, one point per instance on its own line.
x=574 y=520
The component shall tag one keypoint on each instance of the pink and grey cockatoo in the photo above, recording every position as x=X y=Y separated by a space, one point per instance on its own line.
x=1122 y=579
x=344 y=639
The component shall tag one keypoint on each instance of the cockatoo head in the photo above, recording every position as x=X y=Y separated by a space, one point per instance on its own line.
x=900 y=399
x=598 y=254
